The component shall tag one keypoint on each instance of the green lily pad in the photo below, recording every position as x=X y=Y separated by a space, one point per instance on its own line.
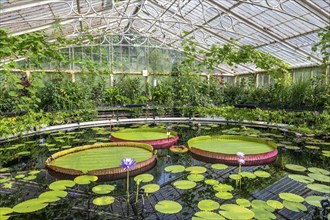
x=223 y=187
x=219 y=166
x=295 y=167
x=262 y=174
x=12 y=148
x=260 y=204
x=53 y=149
x=235 y=176
x=233 y=211
x=61 y=184
x=311 y=147
x=8 y=185
x=275 y=204
x=301 y=178
x=3 y=170
x=103 y=200
x=85 y=179
x=184 y=184
x=196 y=169
x=326 y=153
x=53 y=196
x=20 y=176
x=175 y=169
x=143 y=178
x=294 y=206
x=315 y=200
x=224 y=195
x=195 y=177
x=31 y=177
x=23 y=153
x=150 y=188
x=66 y=147
x=263 y=214
x=319 y=177
x=211 y=182
x=103 y=189
x=291 y=197
x=319 y=187
x=34 y=172
x=168 y=207
x=243 y=202
x=202 y=215
x=5 y=210
x=4 y=180
x=208 y=205
x=31 y=205
x=290 y=147
x=248 y=175
x=318 y=170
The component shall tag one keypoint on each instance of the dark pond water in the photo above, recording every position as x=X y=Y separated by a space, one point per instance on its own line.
x=19 y=157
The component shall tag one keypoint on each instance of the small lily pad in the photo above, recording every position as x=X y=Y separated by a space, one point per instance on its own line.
x=290 y=147
x=319 y=187
x=233 y=211
x=195 y=177
x=53 y=149
x=8 y=185
x=66 y=147
x=262 y=174
x=275 y=204
x=262 y=214
x=5 y=210
x=208 y=205
x=85 y=179
x=223 y=187
x=31 y=205
x=235 y=176
x=219 y=166
x=260 y=204
x=243 y=202
x=184 y=184
x=224 y=195
x=319 y=177
x=103 y=200
x=175 y=169
x=4 y=180
x=211 y=182
x=23 y=153
x=248 y=175
x=318 y=170
x=31 y=177
x=294 y=206
x=143 y=178
x=203 y=215
x=3 y=170
x=295 y=167
x=301 y=178
x=311 y=147
x=150 y=188
x=34 y=172
x=291 y=197
x=53 y=196
x=61 y=184
x=196 y=169
x=20 y=176
x=168 y=207
x=315 y=200
x=103 y=189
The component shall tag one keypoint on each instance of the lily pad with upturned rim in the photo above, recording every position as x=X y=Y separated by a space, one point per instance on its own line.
x=275 y=204
x=233 y=211
x=195 y=177
x=318 y=170
x=103 y=200
x=262 y=174
x=175 y=168
x=219 y=166
x=319 y=187
x=208 y=205
x=150 y=188
x=243 y=202
x=184 y=184
x=203 y=215
x=168 y=207
x=196 y=169
x=103 y=189
x=291 y=197
x=294 y=206
x=144 y=178
x=61 y=184
x=295 y=167
x=31 y=205
x=85 y=179
x=224 y=195
x=301 y=178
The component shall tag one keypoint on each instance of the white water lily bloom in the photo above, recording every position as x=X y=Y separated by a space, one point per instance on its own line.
x=240 y=154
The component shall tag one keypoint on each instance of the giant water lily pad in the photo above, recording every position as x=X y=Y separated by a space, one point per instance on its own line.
x=295 y=167
x=224 y=195
x=275 y=204
x=175 y=168
x=196 y=169
x=301 y=178
x=248 y=175
x=61 y=184
x=233 y=211
x=31 y=205
x=319 y=187
x=263 y=214
x=195 y=177
x=143 y=178
x=150 y=188
x=103 y=200
x=319 y=177
x=184 y=184
x=318 y=170
x=85 y=179
x=243 y=202
x=211 y=182
x=262 y=174
x=315 y=200
x=291 y=197
x=219 y=166
x=208 y=205
x=168 y=207
x=103 y=189
x=223 y=187
x=294 y=206
x=203 y=215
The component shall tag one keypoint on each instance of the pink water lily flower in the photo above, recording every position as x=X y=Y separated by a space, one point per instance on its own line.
x=240 y=155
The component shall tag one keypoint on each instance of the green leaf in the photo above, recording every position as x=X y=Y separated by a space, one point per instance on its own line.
x=208 y=205
x=184 y=184
x=103 y=200
x=168 y=207
x=291 y=197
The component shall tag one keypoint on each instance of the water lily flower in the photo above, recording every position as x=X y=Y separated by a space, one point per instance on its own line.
x=241 y=161
x=240 y=155
x=127 y=163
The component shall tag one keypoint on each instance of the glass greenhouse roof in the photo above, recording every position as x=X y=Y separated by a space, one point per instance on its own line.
x=285 y=28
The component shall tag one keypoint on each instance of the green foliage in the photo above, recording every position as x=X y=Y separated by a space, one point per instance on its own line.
x=324 y=46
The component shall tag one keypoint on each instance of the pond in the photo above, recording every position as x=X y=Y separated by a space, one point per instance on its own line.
x=290 y=188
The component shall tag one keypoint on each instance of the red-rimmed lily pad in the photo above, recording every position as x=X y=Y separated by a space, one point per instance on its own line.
x=61 y=184
x=103 y=189
x=275 y=204
x=184 y=184
x=196 y=169
x=291 y=197
x=295 y=167
x=85 y=179
x=262 y=174
x=318 y=170
x=103 y=200
x=195 y=177
x=294 y=206
x=208 y=205
x=203 y=215
x=150 y=188
x=301 y=178
x=243 y=202
x=175 y=168
x=168 y=207
x=224 y=195
x=233 y=211
x=219 y=166
x=319 y=187
x=31 y=205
